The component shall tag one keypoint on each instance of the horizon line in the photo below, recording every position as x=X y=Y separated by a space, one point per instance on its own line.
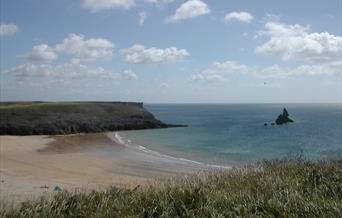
x=147 y=102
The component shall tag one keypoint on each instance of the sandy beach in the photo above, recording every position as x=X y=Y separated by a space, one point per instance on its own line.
x=33 y=165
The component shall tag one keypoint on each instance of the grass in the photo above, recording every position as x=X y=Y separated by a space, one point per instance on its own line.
x=116 y=108
x=277 y=188
x=51 y=118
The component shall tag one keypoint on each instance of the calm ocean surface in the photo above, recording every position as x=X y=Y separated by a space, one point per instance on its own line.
x=233 y=134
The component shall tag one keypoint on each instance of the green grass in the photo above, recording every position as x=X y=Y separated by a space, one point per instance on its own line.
x=50 y=118
x=278 y=188
x=67 y=107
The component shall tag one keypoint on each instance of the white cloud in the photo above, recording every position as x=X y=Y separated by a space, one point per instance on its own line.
x=138 y=54
x=24 y=71
x=271 y=17
x=159 y=2
x=231 y=67
x=241 y=16
x=75 y=61
x=129 y=75
x=76 y=46
x=276 y=71
x=65 y=71
x=8 y=29
x=332 y=68
x=220 y=71
x=209 y=75
x=42 y=53
x=188 y=10
x=86 y=49
x=297 y=42
x=164 y=85
x=99 y=5
x=142 y=17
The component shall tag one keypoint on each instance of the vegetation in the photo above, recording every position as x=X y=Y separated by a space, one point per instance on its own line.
x=46 y=118
x=278 y=188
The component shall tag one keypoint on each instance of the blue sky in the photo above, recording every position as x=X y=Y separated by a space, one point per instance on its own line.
x=224 y=51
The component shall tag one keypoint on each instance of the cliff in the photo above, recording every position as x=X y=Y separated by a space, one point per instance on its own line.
x=50 y=118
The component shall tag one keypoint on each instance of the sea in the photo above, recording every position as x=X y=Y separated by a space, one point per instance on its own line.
x=234 y=134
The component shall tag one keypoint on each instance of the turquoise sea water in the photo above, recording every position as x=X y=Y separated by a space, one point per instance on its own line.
x=233 y=134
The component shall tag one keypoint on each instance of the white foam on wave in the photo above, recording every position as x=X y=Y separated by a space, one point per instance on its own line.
x=118 y=138
x=128 y=143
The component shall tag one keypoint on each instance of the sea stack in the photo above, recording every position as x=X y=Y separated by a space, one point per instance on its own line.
x=283 y=118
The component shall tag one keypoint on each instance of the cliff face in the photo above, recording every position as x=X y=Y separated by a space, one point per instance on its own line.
x=48 y=118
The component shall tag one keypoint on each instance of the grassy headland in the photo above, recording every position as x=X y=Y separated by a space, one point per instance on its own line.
x=280 y=188
x=48 y=118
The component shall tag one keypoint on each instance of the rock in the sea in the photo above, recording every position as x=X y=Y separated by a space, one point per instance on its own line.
x=265 y=124
x=283 y=118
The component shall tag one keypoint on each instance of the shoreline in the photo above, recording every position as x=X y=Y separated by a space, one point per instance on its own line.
x=129 y=143
x=35 y=165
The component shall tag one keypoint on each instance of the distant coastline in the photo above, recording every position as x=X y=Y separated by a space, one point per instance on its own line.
x=55 y=118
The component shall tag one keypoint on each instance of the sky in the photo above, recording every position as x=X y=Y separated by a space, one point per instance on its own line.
x=171 y=51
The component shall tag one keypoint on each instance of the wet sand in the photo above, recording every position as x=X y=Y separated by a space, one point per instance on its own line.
x=33 y=165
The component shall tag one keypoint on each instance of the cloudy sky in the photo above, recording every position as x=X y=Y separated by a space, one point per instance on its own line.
x=191 y=51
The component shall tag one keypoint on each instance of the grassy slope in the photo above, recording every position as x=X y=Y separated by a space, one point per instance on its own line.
x=73 y=117
x=88 y=108
x=285 y=188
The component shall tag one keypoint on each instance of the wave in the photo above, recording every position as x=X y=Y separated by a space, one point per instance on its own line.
x=128 y=143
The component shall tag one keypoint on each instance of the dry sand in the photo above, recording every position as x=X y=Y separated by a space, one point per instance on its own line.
x=32 y=165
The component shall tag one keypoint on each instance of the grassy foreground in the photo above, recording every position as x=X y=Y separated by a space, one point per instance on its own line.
x=278 y=188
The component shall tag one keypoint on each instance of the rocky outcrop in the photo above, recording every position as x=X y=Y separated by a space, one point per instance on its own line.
x=283 y=118
x=47 y=118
